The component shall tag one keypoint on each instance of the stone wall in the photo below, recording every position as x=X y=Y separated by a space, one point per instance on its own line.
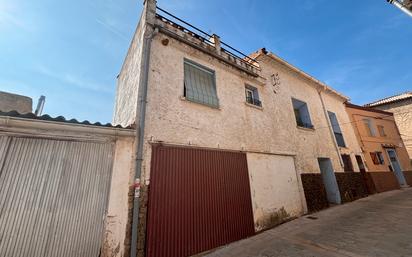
x=384 y=181
x=13 y=102
x=315 y=192
x=351 y=186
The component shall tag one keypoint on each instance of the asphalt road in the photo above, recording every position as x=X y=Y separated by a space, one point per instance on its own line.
x=379 y=226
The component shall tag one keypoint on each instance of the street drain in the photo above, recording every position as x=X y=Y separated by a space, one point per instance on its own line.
x=312 y=217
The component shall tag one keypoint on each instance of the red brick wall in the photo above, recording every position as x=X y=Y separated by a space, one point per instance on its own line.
x=384 y=181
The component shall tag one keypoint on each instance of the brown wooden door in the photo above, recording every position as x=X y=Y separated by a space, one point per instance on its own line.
x=198 y=200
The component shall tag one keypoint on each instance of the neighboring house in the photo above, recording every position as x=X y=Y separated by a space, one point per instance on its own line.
x=12 y=102
x=401 y=106
x=223 y=139
x=64 y=186
x=381 y=142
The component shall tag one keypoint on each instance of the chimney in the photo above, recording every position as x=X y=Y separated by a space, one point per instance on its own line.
x=40 y=105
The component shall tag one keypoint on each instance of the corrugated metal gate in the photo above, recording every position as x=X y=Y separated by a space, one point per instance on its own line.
x=53 y=196
x=198 y=200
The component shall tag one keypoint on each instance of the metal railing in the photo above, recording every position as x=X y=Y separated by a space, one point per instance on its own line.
x=206 y=37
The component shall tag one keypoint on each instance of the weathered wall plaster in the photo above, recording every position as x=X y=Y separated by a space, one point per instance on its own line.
x=117 y=220
x=275 y=189
x=13 y=102
x=128 y=80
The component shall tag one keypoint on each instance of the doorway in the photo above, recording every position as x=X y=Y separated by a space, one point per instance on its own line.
x=198 y=200
x=329 y=180
x=361 y=165
x=396 y=167
x=347 y=163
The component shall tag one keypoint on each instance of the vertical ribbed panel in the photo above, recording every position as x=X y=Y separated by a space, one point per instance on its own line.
x=198 y=200
x=53 y=196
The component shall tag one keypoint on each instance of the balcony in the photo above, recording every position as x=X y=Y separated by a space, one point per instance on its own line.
x=178 y=29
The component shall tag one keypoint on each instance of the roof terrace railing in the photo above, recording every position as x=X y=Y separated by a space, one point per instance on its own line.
x=206 y=37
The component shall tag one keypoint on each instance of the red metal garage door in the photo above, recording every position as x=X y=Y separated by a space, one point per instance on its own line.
x=198 y=200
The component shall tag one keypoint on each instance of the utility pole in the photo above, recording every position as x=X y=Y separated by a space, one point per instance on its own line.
x=404 y=5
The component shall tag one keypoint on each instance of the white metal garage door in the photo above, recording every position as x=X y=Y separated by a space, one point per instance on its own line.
x=53 y=196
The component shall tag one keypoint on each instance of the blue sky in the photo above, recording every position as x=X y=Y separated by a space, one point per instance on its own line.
x=72 y=51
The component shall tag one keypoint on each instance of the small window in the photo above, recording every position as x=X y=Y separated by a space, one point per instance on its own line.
x=377 y=158
x=200 y=84
x=381 y=130
x=336 y=129
x=369 y=127
x=252 y=96
x=301 y=114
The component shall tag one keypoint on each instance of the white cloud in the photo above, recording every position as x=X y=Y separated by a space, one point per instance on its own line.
x=340 y=73
x=112 y=26
x=74 y=80
x=11 y=16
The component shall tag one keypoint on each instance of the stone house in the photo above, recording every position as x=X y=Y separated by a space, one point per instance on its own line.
x=226 y=142
x=401 y=106
x=382 y=145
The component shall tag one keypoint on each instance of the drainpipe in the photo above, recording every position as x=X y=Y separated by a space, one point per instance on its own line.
x=330 y=128
x=401 y=6
x=149 y=33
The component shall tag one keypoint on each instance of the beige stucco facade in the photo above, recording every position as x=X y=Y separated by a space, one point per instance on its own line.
x=237 y=126
x=378 y=142
x=278 y=150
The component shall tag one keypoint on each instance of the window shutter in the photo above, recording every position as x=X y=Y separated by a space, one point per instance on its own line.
x=200 y=84
x=334 y=122
x=336 y=129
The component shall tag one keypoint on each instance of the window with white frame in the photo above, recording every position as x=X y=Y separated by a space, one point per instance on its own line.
x=301 y=114
x=200 y=84
x=252 y=96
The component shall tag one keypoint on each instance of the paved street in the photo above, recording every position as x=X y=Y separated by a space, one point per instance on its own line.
x=380 y=225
